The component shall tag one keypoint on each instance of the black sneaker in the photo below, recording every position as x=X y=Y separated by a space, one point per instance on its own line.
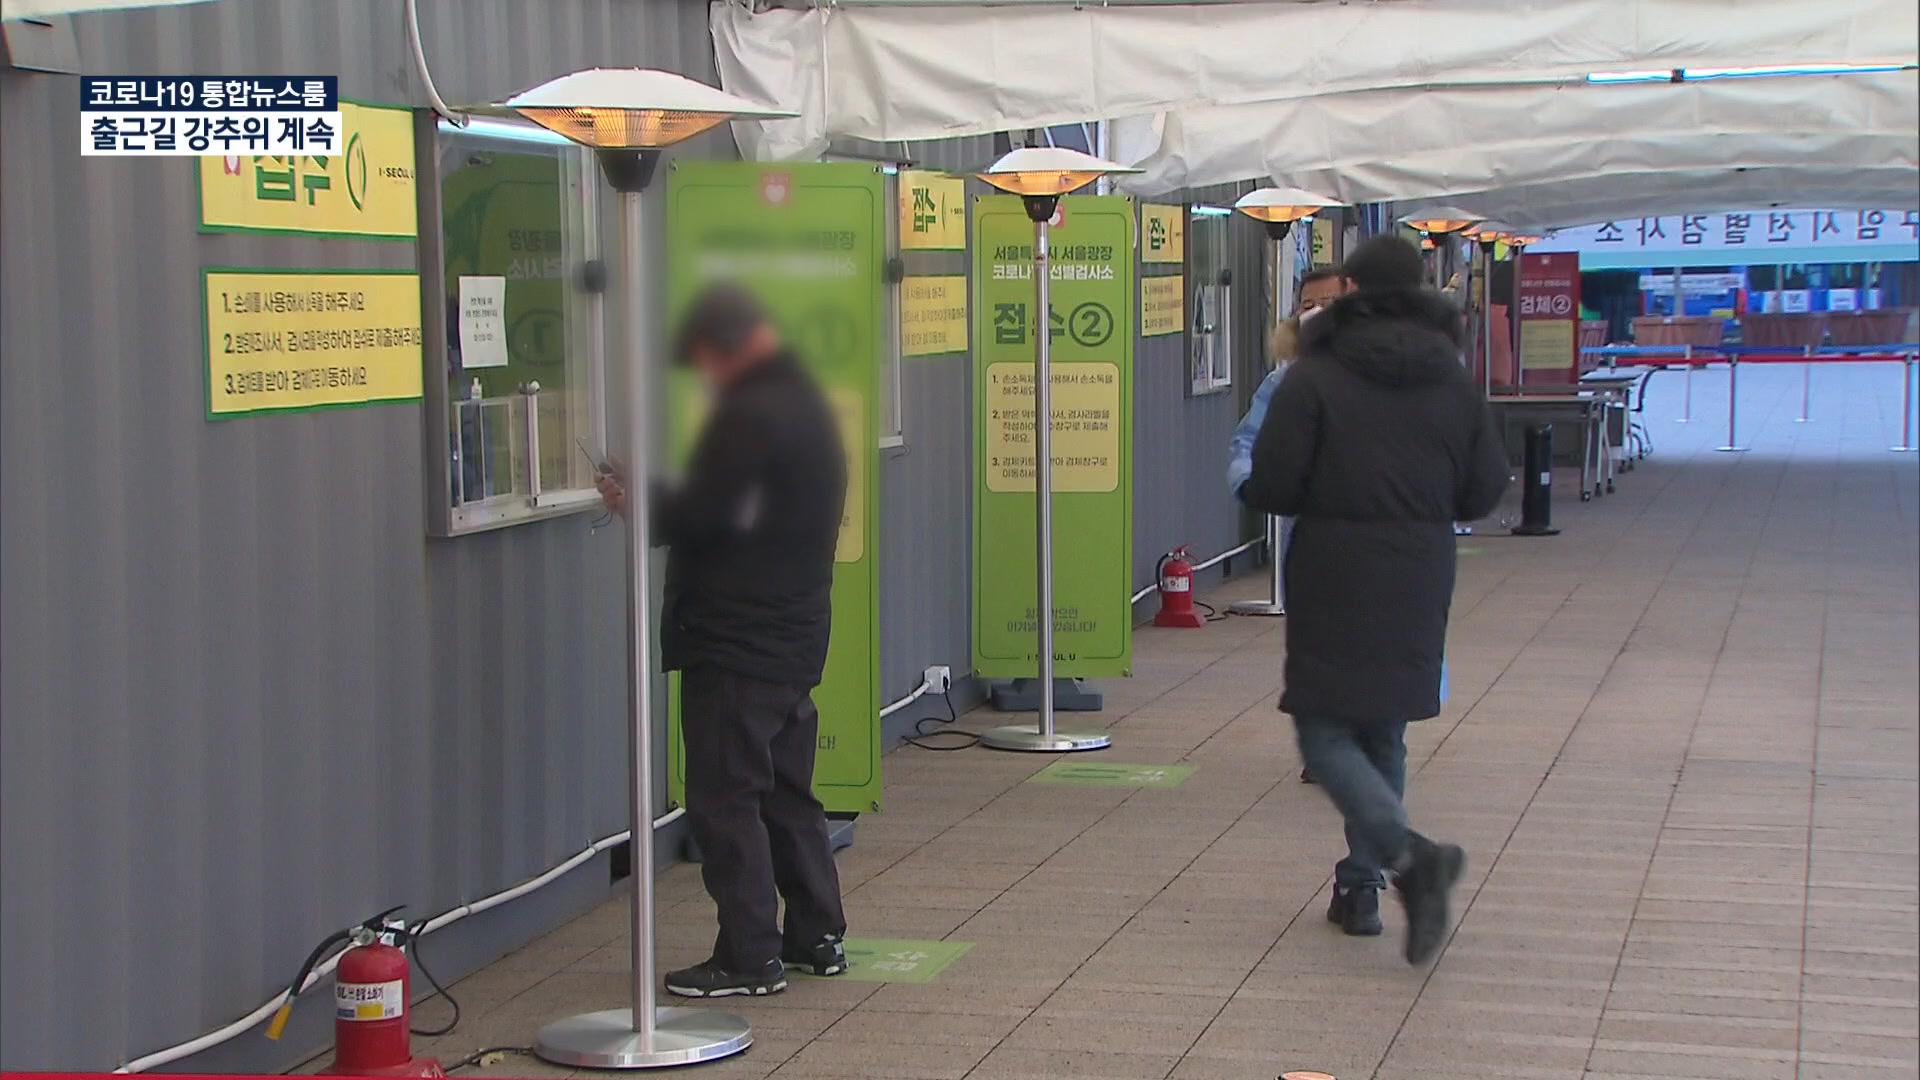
x=823 y=958
x=1356 y=910
x=1306 y=777
x=1424 y=887
x=710 y=980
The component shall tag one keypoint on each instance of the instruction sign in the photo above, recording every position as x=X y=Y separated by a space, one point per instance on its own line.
x=809 y=240
x=1092 y=280
x=1321 y=237
x=1550 y=313
x=1163 y=233
x=1113 y=774
x=284 y=340
x=933 y=212
x=889 y=960
x=366 y=191
x=933 y=315
x=1163 y=305
x=483 y=322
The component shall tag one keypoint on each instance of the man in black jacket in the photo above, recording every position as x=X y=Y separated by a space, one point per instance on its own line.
x=1376 y=443
x=745 y=619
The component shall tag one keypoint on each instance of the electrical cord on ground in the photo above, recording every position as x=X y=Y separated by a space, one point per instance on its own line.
x=479 y=1057
x=413 y=953
x=922 y=733
x=1213 y=613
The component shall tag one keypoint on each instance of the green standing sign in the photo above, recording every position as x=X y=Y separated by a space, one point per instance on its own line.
x=1092 y=251
x=810 y=241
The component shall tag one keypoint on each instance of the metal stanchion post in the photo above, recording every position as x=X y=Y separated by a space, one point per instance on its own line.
x=1733 y=405
x=1686 y=388
x=1806 y=387
x=1275 y=604
x=1906 y=407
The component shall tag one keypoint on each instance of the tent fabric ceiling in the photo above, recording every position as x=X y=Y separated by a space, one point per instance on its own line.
x=40 y=9
x=1628 y=196
x=912 y=72
x=1396 y=145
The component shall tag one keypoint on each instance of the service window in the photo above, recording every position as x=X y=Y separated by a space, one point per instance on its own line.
x=524 y=337
x=1210 y=308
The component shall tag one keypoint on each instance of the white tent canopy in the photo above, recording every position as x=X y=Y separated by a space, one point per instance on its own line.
x=1625 y=196
x=911 y=72
x=1396 y=145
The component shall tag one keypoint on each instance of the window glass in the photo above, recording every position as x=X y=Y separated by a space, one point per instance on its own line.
x=518 y=219
x=1211 y=307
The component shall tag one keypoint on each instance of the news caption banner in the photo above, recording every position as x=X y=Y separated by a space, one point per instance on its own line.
x=292 y=340
x=178 y=116
x=1091 y=326
x=810 y=241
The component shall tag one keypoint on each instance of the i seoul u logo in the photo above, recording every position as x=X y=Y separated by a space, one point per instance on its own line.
x=356 y=169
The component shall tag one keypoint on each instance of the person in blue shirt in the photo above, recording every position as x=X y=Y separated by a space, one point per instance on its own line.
x=1319 y=288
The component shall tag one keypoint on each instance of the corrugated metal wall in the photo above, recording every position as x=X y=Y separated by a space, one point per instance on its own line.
x=243 y=698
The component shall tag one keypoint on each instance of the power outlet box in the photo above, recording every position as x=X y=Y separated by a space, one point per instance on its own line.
x=939 y=679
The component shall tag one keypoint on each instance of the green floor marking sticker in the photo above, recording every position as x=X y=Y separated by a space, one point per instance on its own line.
x=886 y=960
x=1114 y=774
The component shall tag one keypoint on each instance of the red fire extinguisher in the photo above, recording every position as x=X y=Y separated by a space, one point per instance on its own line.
x=1176 y=592
x=371 y=988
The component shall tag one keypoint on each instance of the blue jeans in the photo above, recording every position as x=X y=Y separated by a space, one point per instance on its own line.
x=1363 y=768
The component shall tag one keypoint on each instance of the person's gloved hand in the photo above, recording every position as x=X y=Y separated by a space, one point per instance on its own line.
x=612 y=486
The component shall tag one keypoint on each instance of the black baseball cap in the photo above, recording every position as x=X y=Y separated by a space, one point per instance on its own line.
x=722 y=316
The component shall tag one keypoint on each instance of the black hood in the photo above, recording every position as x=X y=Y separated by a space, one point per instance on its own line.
x=1400 y=337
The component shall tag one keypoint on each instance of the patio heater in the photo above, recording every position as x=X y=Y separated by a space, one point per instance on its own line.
x=627 y=116
x=1040 y=175
x=1486 y=237
x=1434 y=226
x=1278 y=208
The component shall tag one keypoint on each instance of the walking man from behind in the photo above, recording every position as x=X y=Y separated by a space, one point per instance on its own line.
x=1375 y=443
x=745 y=619
x=1320 y=287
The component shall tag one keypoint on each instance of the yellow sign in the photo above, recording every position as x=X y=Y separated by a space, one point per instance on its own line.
x=278 y=340
x=1322 y=243
x=1086 y=436
x=933 y=315
x=1163 y=233
x=1163 y=305
x=1547 y=344
x=933 y=212
x=365 y=191
x=850 y=406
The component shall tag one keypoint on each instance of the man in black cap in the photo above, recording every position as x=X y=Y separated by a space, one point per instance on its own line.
x=747 y=608
x=1376 y=443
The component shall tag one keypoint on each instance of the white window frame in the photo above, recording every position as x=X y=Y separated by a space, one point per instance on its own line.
x=586 y=220
x=1214 y=338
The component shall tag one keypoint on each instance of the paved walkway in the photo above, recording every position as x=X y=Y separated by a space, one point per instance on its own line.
x=1680 y=751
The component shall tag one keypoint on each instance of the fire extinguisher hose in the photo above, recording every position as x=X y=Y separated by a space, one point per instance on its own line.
x=279 y=1023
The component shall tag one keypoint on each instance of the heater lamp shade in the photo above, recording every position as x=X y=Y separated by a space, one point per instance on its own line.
x=1048 y=170
x=1275 y=204
x=630 y=108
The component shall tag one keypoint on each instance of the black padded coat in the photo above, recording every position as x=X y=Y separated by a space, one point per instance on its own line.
x=1376 y=443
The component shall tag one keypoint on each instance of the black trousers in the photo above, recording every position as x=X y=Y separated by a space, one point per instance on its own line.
x=762 y=833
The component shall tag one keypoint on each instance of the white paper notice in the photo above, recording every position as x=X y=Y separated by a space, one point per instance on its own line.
x=483 y=322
